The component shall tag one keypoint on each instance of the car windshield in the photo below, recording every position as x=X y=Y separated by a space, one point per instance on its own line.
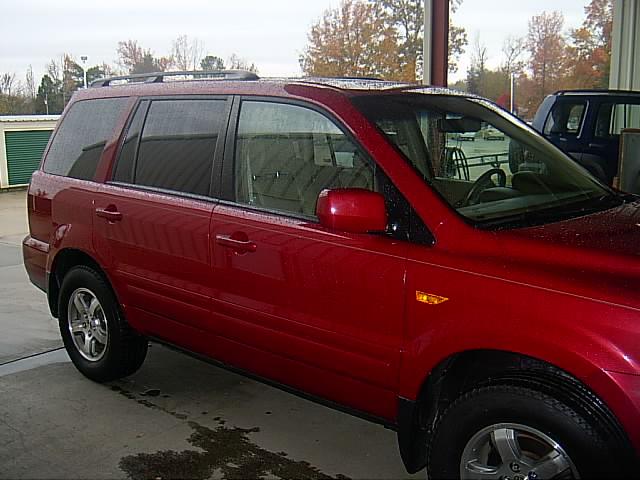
x=489 y=166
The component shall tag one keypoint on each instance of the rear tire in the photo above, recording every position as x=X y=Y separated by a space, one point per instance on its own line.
x=99 y=341
x=505 y=431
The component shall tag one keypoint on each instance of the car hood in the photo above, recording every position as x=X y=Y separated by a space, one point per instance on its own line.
x=615 y=231
x=596 y=255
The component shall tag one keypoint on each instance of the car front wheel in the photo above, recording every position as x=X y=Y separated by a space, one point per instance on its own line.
x=516 y=433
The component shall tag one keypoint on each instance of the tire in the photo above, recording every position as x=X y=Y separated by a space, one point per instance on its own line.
x=103 y=346
x=467 y=437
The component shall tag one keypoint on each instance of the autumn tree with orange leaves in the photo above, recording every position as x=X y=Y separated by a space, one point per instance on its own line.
x=590 y=52
x=352 y=40
x=373 y=38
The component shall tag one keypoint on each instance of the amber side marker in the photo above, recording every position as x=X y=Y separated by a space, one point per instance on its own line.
x=429 y=298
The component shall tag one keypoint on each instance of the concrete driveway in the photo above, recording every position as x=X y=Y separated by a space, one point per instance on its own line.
x=176 y=417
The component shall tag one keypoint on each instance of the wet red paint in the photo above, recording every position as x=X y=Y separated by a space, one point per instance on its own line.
x=334 y=313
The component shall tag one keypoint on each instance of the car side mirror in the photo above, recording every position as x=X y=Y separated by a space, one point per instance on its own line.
x=353 y=210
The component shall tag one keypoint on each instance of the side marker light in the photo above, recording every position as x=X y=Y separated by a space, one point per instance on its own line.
x=429 y=298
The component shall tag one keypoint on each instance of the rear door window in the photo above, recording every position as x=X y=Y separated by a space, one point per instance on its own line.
x=178 y=143
x=78 y=144
x=565 y=118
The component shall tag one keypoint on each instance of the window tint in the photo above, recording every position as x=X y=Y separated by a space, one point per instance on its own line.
x=614 y=117
x=286 y=155
x=124 y=168
x=78 y=143
x=566 y=118
x=177 y=145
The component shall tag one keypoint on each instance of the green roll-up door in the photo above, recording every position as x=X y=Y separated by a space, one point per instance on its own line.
x=24 y=152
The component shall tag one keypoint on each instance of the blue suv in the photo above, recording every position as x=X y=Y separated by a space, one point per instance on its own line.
x=586 y=124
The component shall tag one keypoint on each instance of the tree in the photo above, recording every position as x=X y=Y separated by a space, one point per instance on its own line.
x=135 y=59
x=186 y=53
x=8 y=87
x=73 y=76
x=30 y=85
x=388 y=34
x=13 y=97
x=407 y=18
x=211 y=62
x=457 y=42
x=7 y=83
x=477 y=71
x=354 y=39
x=590 y=50
x=457 y=39
x=512 y=50
x=236 y=62
x=97 y=72
x=547 y=48
x=49 y=98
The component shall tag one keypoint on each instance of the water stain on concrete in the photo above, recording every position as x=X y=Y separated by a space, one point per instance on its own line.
x=146 y=403
x=228 y=452
x=152 y=392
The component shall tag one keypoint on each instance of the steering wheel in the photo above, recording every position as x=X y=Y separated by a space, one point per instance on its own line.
x=482 y=183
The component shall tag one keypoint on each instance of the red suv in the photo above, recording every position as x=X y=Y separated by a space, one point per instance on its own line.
x=338 y=238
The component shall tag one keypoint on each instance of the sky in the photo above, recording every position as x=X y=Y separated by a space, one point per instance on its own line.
x=270 y=33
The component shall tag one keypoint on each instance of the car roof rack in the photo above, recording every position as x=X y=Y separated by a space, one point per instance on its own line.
x=596 y=91
x=158 y=77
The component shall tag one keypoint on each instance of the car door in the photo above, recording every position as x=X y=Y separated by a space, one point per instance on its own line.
x=312 y=308
x=152 y=218
x=611 y=117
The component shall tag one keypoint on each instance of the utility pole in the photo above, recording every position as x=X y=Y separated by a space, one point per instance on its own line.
x=84 y=69
x=512 y=102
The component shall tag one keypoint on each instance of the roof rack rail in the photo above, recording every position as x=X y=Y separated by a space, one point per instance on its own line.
x=158 y=77
x=595 y=91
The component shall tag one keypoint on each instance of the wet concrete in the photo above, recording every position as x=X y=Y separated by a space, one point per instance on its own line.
x=176 y=417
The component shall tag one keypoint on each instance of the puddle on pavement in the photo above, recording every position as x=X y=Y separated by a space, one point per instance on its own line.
x=227 y=453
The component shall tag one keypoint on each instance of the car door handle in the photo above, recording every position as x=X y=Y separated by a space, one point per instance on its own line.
x=235 y=244
x=110 y=213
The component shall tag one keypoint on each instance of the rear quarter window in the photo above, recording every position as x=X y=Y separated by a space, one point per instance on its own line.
x=615 y=117
x=85 y=129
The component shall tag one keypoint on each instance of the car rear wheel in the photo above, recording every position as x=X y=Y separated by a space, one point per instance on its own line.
x=516 y=433
x=98 y=340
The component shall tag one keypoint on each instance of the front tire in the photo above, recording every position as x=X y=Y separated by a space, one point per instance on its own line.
x=513 y=432
x=99 y=341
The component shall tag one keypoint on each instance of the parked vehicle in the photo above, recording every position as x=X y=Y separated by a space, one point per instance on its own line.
x=309 y=233
x=587 y=124
x=467 y=136
x=491 y=133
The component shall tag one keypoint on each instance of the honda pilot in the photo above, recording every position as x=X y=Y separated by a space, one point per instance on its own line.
x=336 y=237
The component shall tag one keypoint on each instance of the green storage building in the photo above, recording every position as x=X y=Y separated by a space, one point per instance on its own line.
x=23 y=139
